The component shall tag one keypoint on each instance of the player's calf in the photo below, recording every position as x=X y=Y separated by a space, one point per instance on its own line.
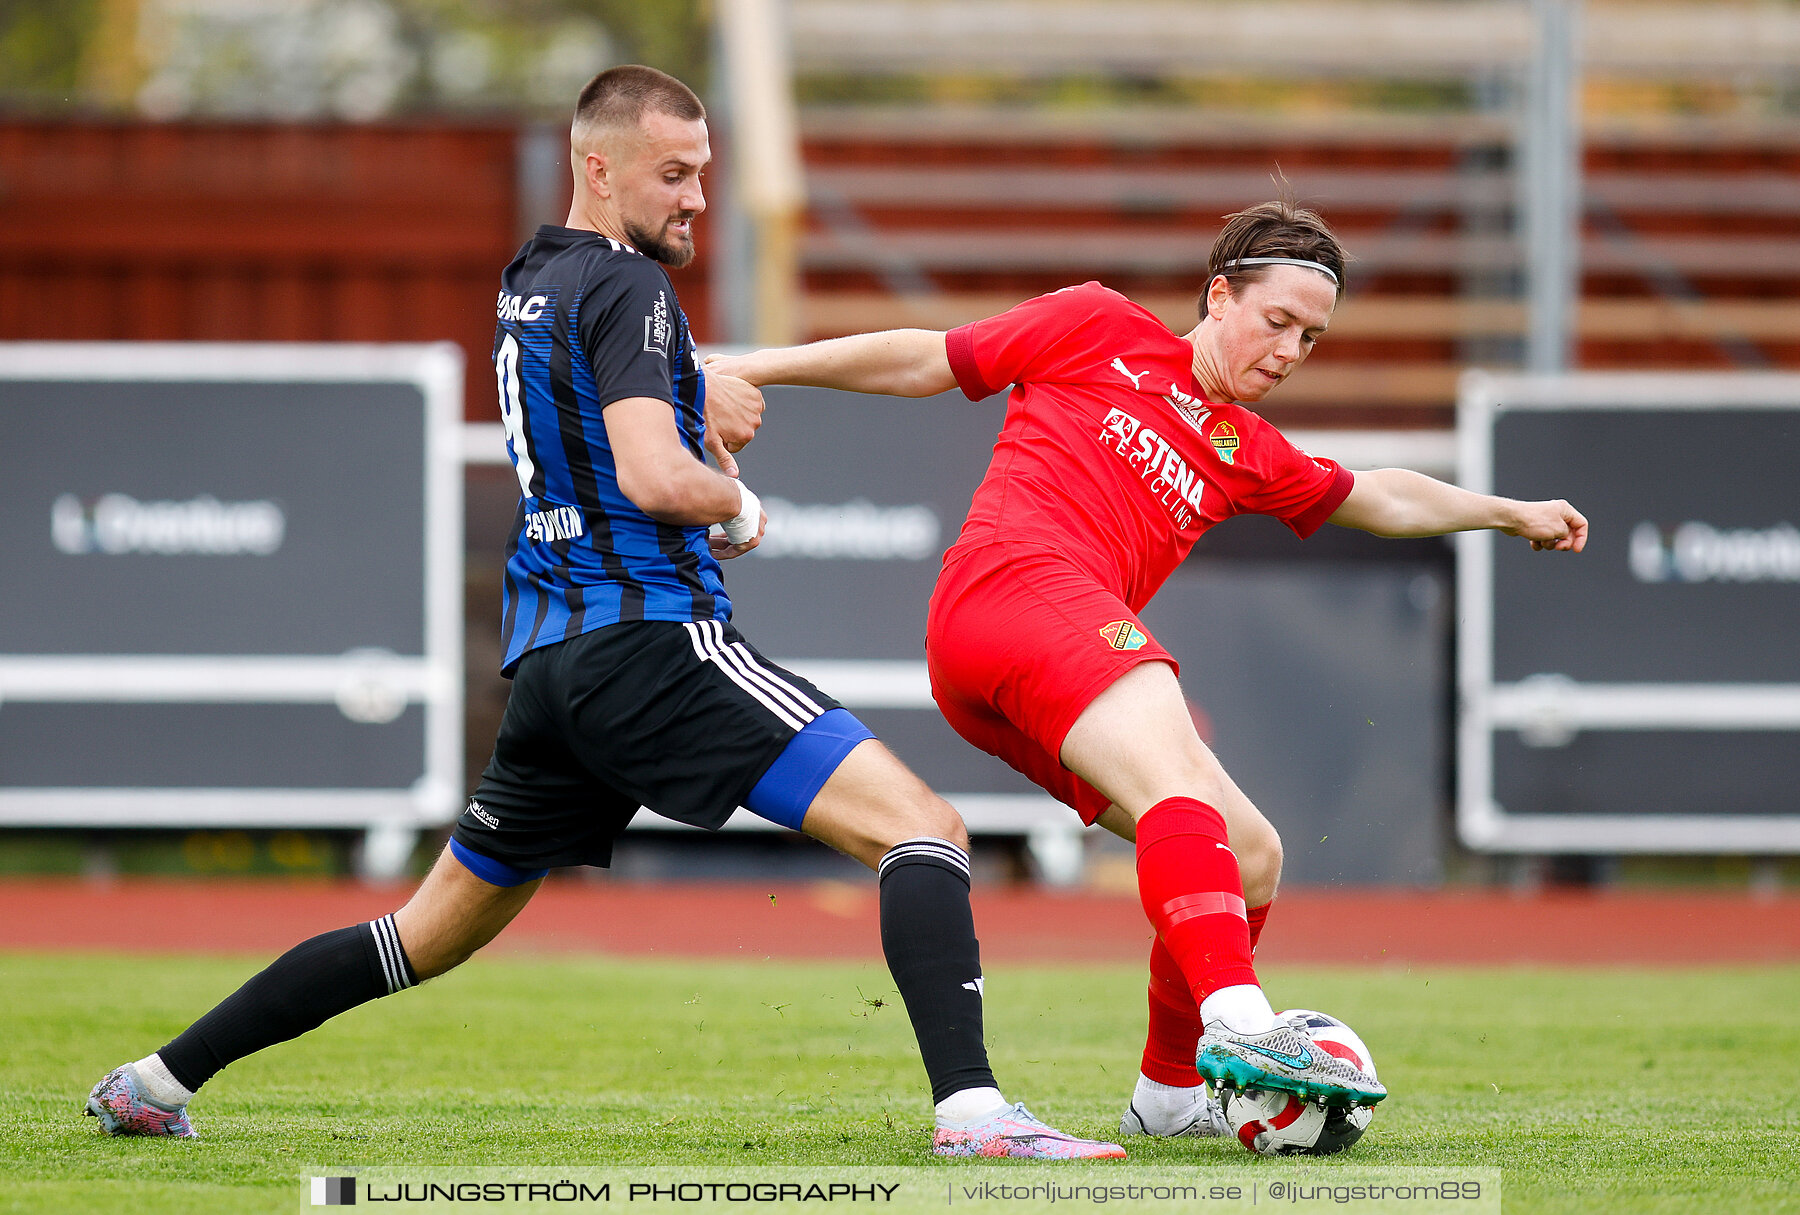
x=299 y=991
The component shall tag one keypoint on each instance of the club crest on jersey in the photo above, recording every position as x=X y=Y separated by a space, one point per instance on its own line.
x=1123 y=635
x=1224 y=438
x=657 y=326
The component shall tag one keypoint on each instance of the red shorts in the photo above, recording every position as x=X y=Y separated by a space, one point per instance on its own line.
x=1019 y=641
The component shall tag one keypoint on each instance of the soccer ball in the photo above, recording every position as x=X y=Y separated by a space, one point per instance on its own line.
x=1272 y=1123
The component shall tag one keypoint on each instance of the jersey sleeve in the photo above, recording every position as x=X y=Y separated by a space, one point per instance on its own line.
x=1034 y=340
x=629 y=332
x=1279 y=479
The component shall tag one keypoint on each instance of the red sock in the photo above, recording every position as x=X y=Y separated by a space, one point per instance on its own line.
x=1174 y=1023
x=1189 y=884
x=1256 y=917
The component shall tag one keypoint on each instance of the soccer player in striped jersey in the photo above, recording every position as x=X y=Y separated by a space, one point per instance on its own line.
x=631 y=687
x=1122 y=444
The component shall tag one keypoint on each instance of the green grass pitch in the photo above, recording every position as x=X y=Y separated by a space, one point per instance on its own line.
x=1599 y=1090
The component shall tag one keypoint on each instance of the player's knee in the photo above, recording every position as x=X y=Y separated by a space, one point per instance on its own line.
x=910 y=809
x=875 y=802
x=924 y=815
x=947 y=824
x=930 y=816
x=1259 y=863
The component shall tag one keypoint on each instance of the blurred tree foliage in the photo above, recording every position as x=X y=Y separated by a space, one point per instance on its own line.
x=673 y=35
x=41 y=49
x=337 y=58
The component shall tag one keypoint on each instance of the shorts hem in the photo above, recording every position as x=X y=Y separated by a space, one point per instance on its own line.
x=599 y=858
x=741 y=795
x=1074 y=706
x=1047 y=727
x=493 y=871
x=806 y=764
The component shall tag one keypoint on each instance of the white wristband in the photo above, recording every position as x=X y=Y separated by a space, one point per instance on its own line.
x=741 y=527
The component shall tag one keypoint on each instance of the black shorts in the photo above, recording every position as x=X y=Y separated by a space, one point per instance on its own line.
x=680 y=718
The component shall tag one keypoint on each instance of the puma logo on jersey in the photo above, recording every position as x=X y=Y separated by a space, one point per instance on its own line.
x=519 y=308
x=1118 y=365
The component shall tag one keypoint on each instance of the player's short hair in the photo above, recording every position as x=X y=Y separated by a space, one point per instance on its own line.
x=1278 y=228
x=618 y=98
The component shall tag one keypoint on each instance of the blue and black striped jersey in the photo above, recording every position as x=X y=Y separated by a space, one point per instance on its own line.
x=584 y=321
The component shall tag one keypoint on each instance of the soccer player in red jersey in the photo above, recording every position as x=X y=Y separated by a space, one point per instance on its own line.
x=1122 y=443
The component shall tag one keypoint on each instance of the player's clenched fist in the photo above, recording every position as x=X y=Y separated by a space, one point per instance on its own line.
x=1552 y=527
x=734 y=410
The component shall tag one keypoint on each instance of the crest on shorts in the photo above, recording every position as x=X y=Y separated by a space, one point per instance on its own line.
x=1224 y=438
x=1124 y=635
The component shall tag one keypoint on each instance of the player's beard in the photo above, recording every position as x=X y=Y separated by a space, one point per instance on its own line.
x=658 y=246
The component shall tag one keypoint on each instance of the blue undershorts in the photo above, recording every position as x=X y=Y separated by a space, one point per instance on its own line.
x=491 y=871
x=791 y=783
x=783 y=794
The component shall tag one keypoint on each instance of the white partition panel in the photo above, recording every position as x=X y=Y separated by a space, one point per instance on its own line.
x=230 y=584
x=1645 y=695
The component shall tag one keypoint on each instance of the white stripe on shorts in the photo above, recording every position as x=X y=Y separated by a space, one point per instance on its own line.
x=776 y=695
x=739 y=655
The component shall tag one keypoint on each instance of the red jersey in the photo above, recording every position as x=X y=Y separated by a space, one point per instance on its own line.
x=1109 y=454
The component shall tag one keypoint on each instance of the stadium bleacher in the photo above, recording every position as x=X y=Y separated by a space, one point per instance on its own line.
x=936 y=209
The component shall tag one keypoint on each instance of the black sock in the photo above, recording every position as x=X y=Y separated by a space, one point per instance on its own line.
x=301 y=990
x=928 y=935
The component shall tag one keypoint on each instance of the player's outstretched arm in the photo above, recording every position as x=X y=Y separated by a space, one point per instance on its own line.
x=894 y=362
x=1397 y=502
x=664 y=480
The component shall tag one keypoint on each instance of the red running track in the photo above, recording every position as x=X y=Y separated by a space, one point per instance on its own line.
x=838 y=920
